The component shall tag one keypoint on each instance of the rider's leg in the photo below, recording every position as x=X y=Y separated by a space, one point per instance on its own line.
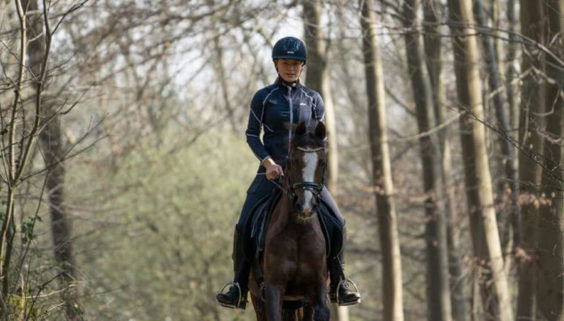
x=236 y=296
x=339 y=290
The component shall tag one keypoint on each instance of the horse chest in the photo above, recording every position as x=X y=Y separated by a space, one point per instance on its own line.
x=296 y=252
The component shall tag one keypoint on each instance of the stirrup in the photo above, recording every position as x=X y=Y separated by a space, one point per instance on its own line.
x=231 y=306
x=344 y=282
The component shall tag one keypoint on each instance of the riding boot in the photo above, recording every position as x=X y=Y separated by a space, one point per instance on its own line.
x=339 y=291
x=236 y=296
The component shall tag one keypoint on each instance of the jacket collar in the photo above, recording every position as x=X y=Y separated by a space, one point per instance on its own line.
x=284 y=86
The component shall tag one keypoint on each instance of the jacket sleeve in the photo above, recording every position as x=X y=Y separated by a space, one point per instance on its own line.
x=254 y=128
x=319 y=109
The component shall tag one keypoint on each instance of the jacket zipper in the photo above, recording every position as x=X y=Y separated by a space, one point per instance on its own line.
x=291 y=114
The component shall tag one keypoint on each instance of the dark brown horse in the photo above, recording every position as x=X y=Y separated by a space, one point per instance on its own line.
x=294 y=263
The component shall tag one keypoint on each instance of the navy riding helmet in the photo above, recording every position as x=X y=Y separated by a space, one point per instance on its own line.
x=289 y=48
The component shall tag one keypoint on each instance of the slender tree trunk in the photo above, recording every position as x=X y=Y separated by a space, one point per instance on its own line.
x=434 y=65
x=219 y=67
x=382 y=172
x=507 y=158
x=50 y=139
x=485 y=236
x=498 y=39
x=511 y=72
x=532 y=102
x=317 y=78
x=9 y=158
x=550 y=275
x=438 y=292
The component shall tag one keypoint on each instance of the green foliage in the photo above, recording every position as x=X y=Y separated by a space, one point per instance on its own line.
x=23 y=307
x=27 y=229
x=169 y=248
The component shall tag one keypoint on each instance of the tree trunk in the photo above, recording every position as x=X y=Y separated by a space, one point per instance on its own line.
x=317 y=78
x=511 y=71
x=50 y=140
x=438 y=292
x=219 y=68
x=532 y=101
x=485 y=236
x=434 y=65
x=507 y=159
x=339 y=313
x=550 y=275
x=382 y=172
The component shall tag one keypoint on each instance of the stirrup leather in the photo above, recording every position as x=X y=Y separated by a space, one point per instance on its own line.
x=239 y=300
x=342 y=283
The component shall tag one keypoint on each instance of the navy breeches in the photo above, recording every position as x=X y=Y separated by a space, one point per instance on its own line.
x=261 y=187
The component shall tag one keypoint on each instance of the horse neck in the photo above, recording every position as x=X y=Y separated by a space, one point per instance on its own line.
x=282 y=213
x=284 y=210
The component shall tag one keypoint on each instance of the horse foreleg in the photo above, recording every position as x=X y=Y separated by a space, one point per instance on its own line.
x=307 y=313
x=321 y=311
x=273 y=297
x=259 y=309
x=289 y=315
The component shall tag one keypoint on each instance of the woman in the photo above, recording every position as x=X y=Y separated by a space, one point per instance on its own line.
x=273 y=108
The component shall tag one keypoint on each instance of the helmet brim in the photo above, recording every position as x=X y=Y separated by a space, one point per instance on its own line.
x=289 y=57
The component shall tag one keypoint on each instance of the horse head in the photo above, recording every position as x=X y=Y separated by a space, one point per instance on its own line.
x=305 y=169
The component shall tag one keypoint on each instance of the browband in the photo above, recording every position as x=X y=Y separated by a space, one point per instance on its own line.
x=310 y=150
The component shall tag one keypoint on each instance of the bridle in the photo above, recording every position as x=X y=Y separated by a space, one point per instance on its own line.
x=313 y=187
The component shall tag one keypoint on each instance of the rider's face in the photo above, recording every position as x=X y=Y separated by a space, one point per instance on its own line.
x=290 y=69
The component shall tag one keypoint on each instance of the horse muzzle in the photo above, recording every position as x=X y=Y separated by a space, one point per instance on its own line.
x=305 y=214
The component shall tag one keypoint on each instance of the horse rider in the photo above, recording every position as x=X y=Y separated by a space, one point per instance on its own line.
x=272 y=109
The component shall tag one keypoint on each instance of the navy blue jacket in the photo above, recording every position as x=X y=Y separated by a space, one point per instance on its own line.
x=273 y=108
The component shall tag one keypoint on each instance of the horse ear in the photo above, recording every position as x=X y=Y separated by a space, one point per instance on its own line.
x=320 y=131
x=301 y=129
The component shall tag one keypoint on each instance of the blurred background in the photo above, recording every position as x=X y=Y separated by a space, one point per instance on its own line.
x=125 y=165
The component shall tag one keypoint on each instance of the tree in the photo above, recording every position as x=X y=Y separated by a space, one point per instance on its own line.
x=433 y=54
x=50 y=139
x=507 y=160
x=17 y=143
x=530 y=141
x=17 y=151
x=381 y=167
x=438 y=291
x=318 y=78
x=550 y=287
x=485 y=236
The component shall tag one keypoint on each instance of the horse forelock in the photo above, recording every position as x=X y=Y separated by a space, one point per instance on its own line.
x=307 y=141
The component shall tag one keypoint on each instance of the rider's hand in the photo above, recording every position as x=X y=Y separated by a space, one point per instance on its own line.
x=273 y=170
